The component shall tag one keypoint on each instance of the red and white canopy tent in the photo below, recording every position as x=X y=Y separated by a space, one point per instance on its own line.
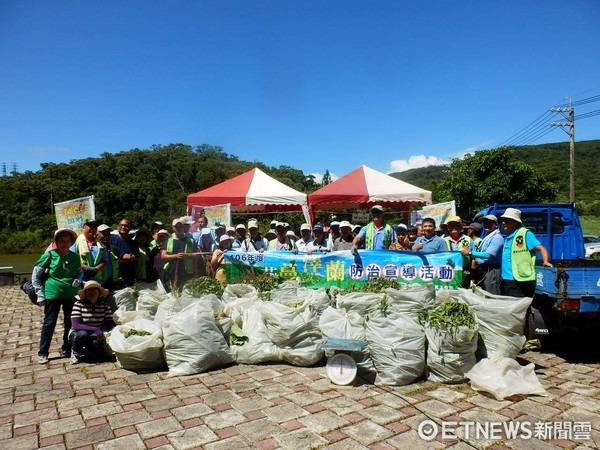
x=252 y=191
x=365 y=187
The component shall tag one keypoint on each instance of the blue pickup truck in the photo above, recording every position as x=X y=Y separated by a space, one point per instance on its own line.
x=567 y=296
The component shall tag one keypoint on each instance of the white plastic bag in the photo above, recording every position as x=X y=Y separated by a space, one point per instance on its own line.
x=259 y=348
x=137 y=352
x=126 y=299
x=235 y=291
x=503 y=377
x=150 y=295
x=291 y=294
x=362 y=303
x=295 y=329
x=450 y=355
x=122 y=316
x=339 y=324
x=193 y=342
x=397 y=346
x=501 y=321
x=411 y=299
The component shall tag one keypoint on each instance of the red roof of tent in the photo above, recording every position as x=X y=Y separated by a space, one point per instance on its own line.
x=364 y=187
x=251 y=191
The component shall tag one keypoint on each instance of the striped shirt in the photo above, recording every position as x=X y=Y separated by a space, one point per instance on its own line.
x=92 y=315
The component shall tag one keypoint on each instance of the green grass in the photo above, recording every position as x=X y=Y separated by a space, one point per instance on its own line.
x=590 y=224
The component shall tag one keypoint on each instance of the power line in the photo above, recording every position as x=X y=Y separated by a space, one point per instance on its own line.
x=526 y=128
x=538 y=136
x=588 y=114
x=584 y=101
x=533 y=131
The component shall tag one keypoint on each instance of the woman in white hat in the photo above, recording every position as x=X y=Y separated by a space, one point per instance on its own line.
x=90 y=318
x=56 y=276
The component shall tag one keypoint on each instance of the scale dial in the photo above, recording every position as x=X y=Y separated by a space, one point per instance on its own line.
x=341 y=369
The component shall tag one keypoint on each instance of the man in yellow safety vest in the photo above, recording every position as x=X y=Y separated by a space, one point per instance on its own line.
x=518 y=256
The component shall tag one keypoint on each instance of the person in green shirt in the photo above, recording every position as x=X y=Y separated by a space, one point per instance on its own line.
x=62 y=270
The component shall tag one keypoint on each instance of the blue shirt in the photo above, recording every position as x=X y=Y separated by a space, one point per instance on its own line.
x=433 y=244
x=530 y=241
x=492 y=245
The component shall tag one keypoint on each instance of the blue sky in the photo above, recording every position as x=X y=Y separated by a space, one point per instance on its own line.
x=314 y=85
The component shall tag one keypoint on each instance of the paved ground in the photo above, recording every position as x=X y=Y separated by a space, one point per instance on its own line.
x=101 y=406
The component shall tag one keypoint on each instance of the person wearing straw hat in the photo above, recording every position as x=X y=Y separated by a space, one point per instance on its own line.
x=61 y=270
x=518 y=256
x=459 y=242
x=90 y=318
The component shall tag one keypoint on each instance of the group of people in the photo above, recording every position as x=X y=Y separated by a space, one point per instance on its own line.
x=502 y=261
x=101 y=260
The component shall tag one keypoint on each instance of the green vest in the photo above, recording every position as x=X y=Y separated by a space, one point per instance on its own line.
x=114 y=262
x=188 y=264
x=87 y=259
x=273 y=244
x=141 y=266
x=464 y=241
x=370 y=236
x=522 y=259
x=477 y=242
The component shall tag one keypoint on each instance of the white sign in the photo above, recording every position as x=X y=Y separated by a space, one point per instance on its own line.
x=361 y=218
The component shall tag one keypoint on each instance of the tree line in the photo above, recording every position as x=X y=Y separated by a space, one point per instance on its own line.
x=152 y=184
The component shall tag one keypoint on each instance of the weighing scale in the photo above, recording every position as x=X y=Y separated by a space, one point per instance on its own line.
x=341 y=366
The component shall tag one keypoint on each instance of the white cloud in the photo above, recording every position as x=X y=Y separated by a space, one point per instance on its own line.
x=319 y=177
x=416 y=161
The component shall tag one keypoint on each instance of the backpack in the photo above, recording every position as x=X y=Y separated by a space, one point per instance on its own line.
x=27 y=287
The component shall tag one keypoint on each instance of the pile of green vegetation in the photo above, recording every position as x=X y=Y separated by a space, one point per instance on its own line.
x=263 y=283
x=201 y=286
x=136 y=333
x=449 y=316
x=374 y=285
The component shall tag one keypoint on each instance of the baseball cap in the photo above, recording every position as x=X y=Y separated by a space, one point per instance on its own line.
x=240 y=226
x=318 y=228
x=476 y=226
x=104 y=227
x=377 y=208
x=334 y=223
x=304 y=226
x=252 y=224
x=345 y=223
x=224 y=238
x=279 y=224
x=453 y=219
x=176 y=221
x=491 y=217
x=91 y=222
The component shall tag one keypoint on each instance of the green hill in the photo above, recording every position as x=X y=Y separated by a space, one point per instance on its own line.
x=552 y=161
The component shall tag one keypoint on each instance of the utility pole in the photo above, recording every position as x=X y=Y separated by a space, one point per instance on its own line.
x=571 y=125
